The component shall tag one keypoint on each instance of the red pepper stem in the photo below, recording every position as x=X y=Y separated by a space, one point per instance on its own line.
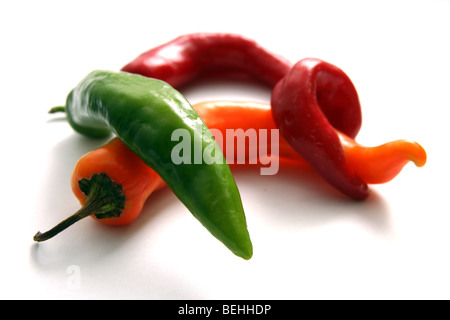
x=104 y=200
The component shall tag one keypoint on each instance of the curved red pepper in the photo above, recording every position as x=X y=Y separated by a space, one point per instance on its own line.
x=191 y=56
x=308 y=104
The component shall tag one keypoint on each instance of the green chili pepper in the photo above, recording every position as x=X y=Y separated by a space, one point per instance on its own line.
x=144 y=113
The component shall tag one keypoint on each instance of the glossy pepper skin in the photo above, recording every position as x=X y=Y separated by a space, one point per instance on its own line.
x=137 y=181
x=143 y=113
x=113 y=176
x=308 y=104
x=192 y=56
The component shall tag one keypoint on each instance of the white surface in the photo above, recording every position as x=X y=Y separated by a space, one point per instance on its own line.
x=308 y=241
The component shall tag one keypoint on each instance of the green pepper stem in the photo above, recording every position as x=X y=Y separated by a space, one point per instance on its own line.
x=84 y=212
x=57 y=109
x=105 y=199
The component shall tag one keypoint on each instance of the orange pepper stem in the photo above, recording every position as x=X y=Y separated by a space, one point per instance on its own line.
x=104 y=200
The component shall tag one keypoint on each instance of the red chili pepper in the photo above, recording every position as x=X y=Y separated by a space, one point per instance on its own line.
x=308 y=104
x=191 y=56
x=330 y=97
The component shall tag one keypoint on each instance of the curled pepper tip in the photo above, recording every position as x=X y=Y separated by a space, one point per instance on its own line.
x=417 y=154
x=380 y=164
x=405 y=151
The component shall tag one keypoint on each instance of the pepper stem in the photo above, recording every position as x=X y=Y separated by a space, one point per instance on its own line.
x=57 y=109
x=105 y=199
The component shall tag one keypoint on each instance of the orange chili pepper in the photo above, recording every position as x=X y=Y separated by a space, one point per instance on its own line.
x=120 y=164
x=372 y=164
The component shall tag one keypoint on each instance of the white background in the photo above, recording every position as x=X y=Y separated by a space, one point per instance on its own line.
x=309 y=242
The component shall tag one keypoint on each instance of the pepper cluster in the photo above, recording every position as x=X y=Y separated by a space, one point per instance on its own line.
x=314 y=105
